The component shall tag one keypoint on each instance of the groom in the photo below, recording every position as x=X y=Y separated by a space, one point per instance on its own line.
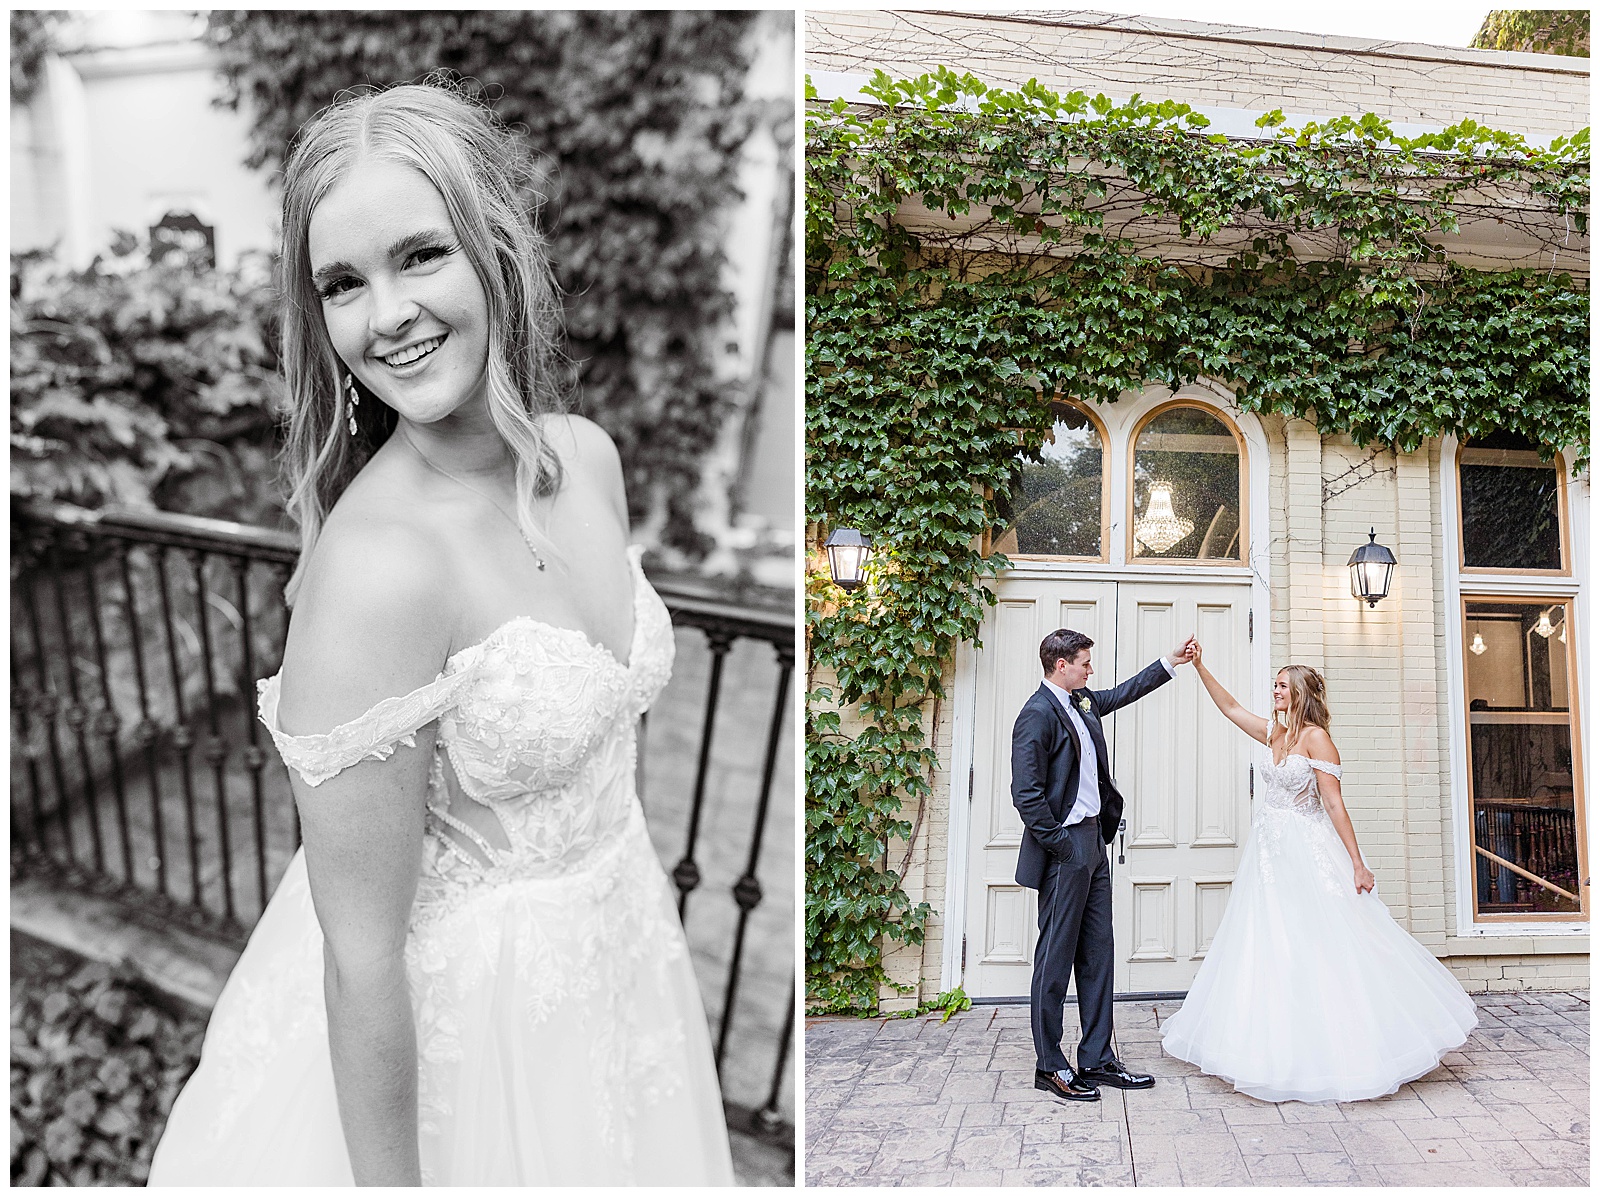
x=1061 y=786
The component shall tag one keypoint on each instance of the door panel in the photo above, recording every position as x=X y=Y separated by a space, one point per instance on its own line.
x=1001 y=919
x=1184 y=772
x=1182 y=768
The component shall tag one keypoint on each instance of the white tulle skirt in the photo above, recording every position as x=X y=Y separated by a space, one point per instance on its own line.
x=1310 y=991
x=560 y=1035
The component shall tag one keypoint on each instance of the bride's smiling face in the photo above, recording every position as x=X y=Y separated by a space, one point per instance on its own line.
x=402 y=303
x=1280 y=694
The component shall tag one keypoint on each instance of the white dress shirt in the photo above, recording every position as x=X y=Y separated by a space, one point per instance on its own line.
x=1088 y=803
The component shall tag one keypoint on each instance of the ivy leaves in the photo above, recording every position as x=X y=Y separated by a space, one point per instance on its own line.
x=1068 y=243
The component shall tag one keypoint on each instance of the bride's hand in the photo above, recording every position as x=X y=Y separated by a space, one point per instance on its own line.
x=1364 y=879
x=1194 y=651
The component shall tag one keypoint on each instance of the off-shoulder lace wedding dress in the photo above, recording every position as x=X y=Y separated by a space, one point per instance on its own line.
x=1309 y=990
x=560 y=1033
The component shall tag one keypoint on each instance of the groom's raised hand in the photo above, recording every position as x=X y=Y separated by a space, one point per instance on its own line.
x=1184 y=654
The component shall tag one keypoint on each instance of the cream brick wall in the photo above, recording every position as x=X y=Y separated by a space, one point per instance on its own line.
x=1213 y=66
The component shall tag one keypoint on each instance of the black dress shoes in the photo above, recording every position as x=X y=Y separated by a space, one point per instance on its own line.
x=1064 y=1084
x=1114 y=1074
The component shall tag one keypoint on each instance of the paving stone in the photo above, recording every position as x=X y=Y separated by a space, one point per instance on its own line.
x=1074 y=1152
x=992 y=1148
x=1274 y=1169
x=1283 y=1138
x=986 y=1179
x=1037 y=1178
x=1311 y=1111
x=1110 y=1176
x=1551 y=1177
x=970 y=1087
x=904 y=1102
x=1326 y=1167
x=1376 y=1143
x=986 y=1114
x=922 y=1150
x=1394 y=1108
x=1252 y=1115
x=1467 y=1175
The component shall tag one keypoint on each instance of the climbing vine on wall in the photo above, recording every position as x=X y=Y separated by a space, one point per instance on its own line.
x=972 y=252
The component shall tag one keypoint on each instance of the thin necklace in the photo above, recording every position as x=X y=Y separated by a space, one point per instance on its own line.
x=538 y=559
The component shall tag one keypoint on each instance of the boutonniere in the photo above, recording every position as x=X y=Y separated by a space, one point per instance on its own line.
x=1083 y=705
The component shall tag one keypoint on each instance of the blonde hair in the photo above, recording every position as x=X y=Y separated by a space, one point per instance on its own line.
x=1308 y=701
x=481 y=172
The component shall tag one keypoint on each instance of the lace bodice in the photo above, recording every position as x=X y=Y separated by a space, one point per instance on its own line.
x=1291 y=784
x=536 y=724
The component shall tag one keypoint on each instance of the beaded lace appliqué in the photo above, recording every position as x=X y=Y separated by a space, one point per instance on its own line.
x=538 y=726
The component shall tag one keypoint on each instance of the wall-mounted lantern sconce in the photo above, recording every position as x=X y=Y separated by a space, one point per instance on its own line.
x=1371 y=567
x=848 y=551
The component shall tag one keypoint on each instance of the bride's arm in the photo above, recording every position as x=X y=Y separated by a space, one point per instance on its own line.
x=370 y=624
x=1254 y=726
x=1318 y=745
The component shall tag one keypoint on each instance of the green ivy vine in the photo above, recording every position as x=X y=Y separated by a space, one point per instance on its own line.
x=971 y=252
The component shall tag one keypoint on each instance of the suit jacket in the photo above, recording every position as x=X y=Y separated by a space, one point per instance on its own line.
x=1044 y=767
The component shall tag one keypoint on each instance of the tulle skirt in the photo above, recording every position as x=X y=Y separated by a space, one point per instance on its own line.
x=560 y=1034
x=1310 y=991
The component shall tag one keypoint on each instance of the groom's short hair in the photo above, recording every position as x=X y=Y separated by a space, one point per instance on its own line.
x=1061 y=644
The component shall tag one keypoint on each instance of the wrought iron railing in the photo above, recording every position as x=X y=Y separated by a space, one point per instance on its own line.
x=138 y=765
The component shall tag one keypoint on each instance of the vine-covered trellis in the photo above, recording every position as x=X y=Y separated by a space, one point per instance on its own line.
x=971 y=253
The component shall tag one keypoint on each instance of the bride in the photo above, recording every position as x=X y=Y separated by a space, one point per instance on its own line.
x=1310 y=991
x=473 y=973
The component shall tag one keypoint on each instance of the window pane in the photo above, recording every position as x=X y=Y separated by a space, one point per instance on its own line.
x=1055 y=508
x=1524 y=799
x=1509 y=510
x=1186 y=488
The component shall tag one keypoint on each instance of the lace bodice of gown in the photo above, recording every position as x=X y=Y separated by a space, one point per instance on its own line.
x=1292 y=783
x=536 y=724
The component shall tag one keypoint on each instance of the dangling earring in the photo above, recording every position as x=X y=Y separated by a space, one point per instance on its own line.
x=355 y=400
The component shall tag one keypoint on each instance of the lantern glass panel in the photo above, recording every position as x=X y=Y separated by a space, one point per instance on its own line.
x=1524 y=794
x=1196 y=454
x=1510 y=505
x=1054 y=509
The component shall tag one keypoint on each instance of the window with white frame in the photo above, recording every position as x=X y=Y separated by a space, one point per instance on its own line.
x=1524 y=775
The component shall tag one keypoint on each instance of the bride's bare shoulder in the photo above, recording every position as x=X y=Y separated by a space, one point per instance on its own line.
x=1316 y=743
x=372 y=617
x=587 y=450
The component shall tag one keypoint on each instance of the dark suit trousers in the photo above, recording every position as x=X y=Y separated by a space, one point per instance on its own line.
x=1074 y=936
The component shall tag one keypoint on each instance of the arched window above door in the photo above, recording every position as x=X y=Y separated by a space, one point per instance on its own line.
x=1187 y=487
x=1057 y=507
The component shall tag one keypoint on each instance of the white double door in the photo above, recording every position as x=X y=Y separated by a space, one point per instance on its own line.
x=1184 y=771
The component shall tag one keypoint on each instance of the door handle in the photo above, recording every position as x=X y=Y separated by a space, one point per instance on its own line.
x=1122 y=841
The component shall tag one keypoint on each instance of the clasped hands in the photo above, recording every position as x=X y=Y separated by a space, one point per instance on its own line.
x=1187 y=652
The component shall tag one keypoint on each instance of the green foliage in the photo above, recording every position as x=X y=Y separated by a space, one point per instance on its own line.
x=636 y=117
x=1073 y=244
x=150 y=386
x=951 y=1001
x=1536 y=30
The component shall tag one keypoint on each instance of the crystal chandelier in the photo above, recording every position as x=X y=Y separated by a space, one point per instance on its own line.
x=1160 y=528
x=1477 y=646
x=1544 y=627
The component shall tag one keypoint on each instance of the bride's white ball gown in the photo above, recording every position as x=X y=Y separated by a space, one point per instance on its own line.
x=1309 y=990
x=560 y=1034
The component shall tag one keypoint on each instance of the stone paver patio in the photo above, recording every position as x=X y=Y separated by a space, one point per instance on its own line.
x=920 y=1102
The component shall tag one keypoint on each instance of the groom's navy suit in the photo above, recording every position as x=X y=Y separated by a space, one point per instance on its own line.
x=1067 y=864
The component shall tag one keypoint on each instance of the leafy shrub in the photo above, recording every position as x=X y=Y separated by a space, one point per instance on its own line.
x=146 y=385
x=95 y=1068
